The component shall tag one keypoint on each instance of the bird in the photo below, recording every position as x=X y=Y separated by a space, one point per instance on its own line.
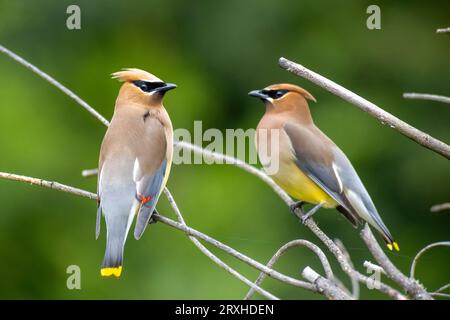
x=134 y=162
x=310 y=167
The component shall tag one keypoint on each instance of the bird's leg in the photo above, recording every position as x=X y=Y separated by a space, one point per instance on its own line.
x=151 y=221
x=310 y=213
x=297 y=205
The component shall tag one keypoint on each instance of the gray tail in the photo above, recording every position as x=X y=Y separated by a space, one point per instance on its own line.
x=117 y=229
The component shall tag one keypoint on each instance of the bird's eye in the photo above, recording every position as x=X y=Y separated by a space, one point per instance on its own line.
x=276 y=94
x=148 y=86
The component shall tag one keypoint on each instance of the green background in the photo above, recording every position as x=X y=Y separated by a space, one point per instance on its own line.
x=216 y=51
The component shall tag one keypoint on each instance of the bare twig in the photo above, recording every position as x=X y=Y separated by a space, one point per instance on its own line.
x=354 y=280
x=443 y=30
x=209 y=254
x=440 y=207
x=177 y=225
x=89 y=172
x=383 y=116
x=426 y=96
x=294 y=243
x=444 y=287
x=334 y=249
x=421 y=252
x=438 y=294
x=48 y=184
x=257 y=265
x=58 y=85
x=326 y=286
x=410 y=285
x=237 y=163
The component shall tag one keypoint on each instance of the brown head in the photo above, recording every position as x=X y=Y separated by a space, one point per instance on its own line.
x=141 y=88
x=285 y=98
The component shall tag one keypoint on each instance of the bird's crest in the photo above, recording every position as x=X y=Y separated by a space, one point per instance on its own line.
x=132 y=74
x=293 y=88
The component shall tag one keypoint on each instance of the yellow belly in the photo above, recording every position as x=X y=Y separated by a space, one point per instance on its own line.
x=299 y=186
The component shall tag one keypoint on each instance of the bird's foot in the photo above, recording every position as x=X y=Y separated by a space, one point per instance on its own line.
x=297 y=205
x=310 y=213
x=153 y=220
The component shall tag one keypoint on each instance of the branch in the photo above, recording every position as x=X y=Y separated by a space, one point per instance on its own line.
x=332 y=247
x=411 y=286
x=294 y=243
x=89 y=172
x=445 y=287
x=354 y=280
x=58 y=85
x=421 y=252
x=440 y=207
x=383 y=116
x=209 y=254
x=48 y=184
x=443 y=30
x=326 y=286
x=426 y=96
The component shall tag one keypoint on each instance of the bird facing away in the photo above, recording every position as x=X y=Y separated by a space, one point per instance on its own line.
x=311 y=168
x=134 y=164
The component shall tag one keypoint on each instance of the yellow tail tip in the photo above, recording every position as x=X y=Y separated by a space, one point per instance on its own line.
x=393 y=245
x=397 y=248
x=108 y=272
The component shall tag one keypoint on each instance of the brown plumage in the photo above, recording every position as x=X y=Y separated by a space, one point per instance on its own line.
x=310 y=167
x=135 y=160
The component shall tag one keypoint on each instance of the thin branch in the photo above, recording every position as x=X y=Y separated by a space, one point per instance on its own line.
x=426 y=96
x=58 y=85
x=209 y=254
x=326 y=286
x=294 y=243
x=421 y=252
x=237 y=163
x=411 y=286
x=257 y=265
x=438 y=294
x=48 y=184
x=332 y=247
x=89 y=172
x=354 y=280
x=383 y=116
x=445 y=287
x=188 y=230
x=440 y=207
x=443 y=30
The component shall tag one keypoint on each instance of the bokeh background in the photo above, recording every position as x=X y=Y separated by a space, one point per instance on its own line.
x=216 y=51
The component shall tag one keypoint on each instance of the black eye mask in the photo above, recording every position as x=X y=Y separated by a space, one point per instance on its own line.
x=148 y=86
x=275 y=94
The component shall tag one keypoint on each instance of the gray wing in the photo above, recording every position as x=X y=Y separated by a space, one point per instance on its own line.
x=323 y=162
x=148 y=187
x=314 y=157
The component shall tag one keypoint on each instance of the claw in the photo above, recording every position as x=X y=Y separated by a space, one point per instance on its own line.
x=310 y=213
x=297 y=205
x=152 y=220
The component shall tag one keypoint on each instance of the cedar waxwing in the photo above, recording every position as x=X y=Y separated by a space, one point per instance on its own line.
x=135 y=160
x=311 y=168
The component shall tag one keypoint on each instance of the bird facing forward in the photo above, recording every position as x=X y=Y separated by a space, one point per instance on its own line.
x=135 y=161
x=310 y=167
